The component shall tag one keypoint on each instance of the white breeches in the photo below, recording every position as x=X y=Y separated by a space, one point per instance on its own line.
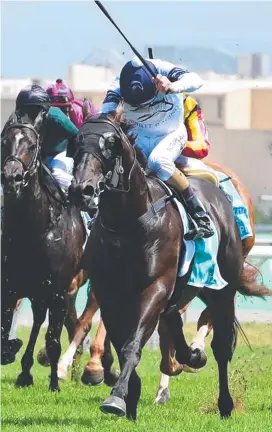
x=161 y=152
x=62 y=169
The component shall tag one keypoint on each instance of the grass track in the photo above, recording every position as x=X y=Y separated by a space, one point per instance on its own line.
x=192 y=407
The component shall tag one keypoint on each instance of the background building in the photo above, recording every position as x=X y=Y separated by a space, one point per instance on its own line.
x=253 y=65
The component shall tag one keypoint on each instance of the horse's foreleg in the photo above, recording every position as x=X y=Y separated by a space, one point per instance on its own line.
x=128 y=343
x=168 y=366
x=82 y=329
x=70 y=324
x=39 y=308
x=57 y=311
x=185 y=355
x=223 y=345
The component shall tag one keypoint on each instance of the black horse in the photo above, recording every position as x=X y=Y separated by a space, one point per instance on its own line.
x=42 y=240
x=132 y=257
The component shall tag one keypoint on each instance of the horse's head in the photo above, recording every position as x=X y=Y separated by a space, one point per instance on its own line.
x=20 y=148
x=99 y=147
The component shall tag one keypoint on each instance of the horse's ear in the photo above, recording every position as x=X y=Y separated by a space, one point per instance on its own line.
x=39 y=121
x=86 y=109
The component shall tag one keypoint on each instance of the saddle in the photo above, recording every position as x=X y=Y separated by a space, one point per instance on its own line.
x=200 y=173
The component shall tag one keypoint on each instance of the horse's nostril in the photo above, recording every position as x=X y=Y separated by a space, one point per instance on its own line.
x=18 y=178
x=88 y=191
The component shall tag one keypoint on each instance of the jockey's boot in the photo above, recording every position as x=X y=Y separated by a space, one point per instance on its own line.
x=194 y=207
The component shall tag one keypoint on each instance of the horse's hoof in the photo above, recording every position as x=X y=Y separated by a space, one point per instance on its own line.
x=111 y=377
x=24 y=380
x=62 y=374
x=54 y=388
x=9 y=350
x=226 y=407
x=92 y=379
x=163 y=397
x=197 y=360
x=43 y=358
x=225 y=415
x=114 y=405
x=132 y=416
x=15 y=345
x=7 y=358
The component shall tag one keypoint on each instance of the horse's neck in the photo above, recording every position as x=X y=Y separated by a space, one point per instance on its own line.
x=121 y=209
x=29 y=215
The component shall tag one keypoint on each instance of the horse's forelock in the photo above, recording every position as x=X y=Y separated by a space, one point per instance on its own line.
x=14 y=132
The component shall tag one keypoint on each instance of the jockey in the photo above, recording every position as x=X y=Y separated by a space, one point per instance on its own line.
x=198 y=144
x=154 y=107
x=59 y=129
x=62 y=96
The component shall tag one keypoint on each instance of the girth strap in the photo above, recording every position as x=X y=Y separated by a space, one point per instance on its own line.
x=155 y=208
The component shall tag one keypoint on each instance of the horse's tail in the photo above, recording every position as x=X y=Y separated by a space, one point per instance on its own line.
x=238 y=328
x=249 y=285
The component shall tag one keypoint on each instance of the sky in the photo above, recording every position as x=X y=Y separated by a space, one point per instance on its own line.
x=41 y=38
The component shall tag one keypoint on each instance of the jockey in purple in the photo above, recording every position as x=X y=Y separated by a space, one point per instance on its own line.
x=62 y=96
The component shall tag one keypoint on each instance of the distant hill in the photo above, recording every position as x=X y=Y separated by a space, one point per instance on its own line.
x=196 y=58
x=199 y=58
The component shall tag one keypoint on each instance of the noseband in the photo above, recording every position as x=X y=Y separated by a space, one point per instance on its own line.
x=30 y=169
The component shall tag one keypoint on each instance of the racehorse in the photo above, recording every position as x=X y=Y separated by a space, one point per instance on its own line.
x=43 y=236
x=132 y=258
x=98 y=371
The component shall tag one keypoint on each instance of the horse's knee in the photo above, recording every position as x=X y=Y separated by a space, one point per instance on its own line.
x=223 y=349
x=53 y=348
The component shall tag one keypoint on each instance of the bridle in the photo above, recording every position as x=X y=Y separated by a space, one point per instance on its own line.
x=115 y=176
x=30 y=169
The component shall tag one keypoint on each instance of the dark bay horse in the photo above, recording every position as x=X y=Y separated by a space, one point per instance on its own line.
x=43 y=236
x=133 y=254
x=98 y=370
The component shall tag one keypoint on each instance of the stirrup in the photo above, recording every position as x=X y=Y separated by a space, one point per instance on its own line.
x=198 y=232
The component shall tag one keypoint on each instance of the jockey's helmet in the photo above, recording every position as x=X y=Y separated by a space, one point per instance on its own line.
x=60 y=95
x=33 y=95
x=136 y=84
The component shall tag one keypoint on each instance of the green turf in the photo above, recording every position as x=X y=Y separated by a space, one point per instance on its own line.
x=192 y=407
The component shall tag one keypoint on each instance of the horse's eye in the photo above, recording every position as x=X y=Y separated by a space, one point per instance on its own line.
x=110 y=139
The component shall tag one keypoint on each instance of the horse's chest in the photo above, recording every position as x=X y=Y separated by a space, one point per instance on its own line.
x=23 y=262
